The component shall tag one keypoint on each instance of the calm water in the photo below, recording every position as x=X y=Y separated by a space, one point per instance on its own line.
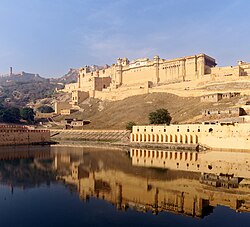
x=42 y=186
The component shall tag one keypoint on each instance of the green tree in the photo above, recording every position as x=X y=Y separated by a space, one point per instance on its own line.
x=130 y=125
x=45 y=109
x=160 y=116
x=10 y=115
x=28 y=114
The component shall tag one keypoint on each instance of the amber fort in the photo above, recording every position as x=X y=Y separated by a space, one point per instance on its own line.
x=154 y=72
x=141 y=76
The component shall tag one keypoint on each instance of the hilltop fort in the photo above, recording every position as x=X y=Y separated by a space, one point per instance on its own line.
x=151 y=73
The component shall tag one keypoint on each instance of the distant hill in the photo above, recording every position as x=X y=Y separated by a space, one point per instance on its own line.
x=20 y=89
x=69 y=77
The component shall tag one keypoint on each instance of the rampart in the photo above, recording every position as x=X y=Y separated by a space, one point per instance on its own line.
x=211 y=135
x=21 y=135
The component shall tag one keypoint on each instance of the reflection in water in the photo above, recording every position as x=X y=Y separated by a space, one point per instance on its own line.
x=26 y=167
x=186 y=185
x=183 y=182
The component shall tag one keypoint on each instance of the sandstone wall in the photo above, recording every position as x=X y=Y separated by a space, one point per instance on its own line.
x=18 y=136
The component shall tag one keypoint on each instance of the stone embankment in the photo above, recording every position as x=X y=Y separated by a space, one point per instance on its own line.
x=117 y=138
x=113 y=136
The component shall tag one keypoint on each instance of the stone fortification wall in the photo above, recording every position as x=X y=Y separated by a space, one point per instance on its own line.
x=62 y=106
x=16 y=135
x=219 y=136
x=226 y=71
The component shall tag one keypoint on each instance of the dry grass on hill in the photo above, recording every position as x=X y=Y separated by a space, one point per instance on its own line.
x=115 y=115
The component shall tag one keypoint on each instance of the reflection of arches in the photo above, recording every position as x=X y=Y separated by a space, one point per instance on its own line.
x=196 y=156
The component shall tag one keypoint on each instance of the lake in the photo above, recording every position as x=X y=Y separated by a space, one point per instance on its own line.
x=79 y=186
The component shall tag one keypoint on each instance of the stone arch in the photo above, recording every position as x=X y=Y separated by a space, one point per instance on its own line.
x=185 y=139
x=191 y=139
x=196 y=139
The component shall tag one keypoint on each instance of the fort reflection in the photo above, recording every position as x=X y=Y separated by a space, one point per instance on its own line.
x=209 y=179
x=144 y=180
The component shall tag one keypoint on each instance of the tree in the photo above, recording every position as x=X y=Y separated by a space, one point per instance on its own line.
x=130 y=125
x=28 y=114
x=10 y=115
x=160 y=116
x=45 y=109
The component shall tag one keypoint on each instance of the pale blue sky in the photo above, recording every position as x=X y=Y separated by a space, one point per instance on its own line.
x=50 y=36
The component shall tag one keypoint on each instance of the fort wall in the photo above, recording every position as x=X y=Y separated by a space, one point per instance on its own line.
x=62 y=106
x=217 y=136
x=16 y=135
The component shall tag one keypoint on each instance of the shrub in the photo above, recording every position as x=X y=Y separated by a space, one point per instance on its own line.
x=160 y=116
x=130 y=125
x=45 y=109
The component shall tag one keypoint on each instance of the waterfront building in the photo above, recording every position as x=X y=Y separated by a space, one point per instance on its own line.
x=211 y=135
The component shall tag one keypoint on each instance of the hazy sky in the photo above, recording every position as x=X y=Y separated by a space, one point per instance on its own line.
x=50 y=36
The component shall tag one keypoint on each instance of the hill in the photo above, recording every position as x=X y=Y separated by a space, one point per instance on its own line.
x=115 y=115
x=23 y=88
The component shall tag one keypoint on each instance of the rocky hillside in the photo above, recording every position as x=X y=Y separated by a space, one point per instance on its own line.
x=69 y=77
x=115 y=115
x=21 y=89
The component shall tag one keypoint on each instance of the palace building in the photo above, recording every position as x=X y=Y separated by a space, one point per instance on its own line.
x=140 y=71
